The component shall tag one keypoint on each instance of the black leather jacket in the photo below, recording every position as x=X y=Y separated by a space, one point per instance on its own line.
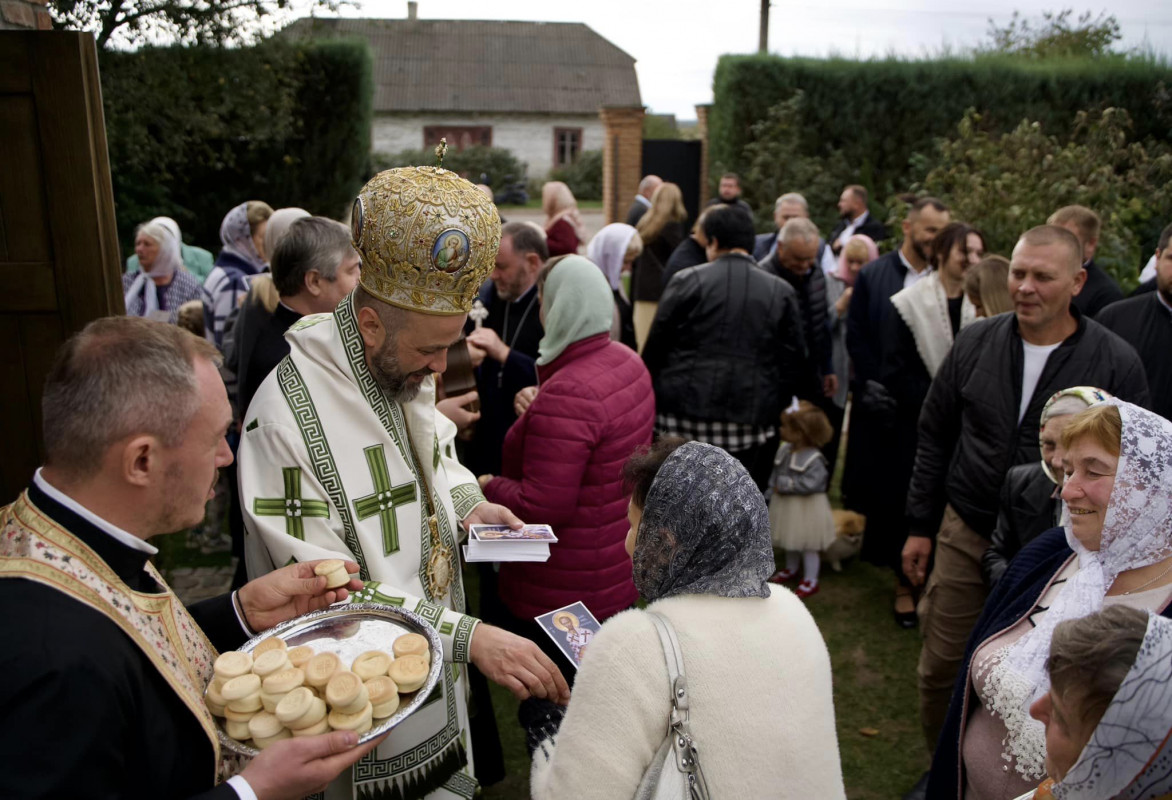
x=1028 y=508
x=727 y=344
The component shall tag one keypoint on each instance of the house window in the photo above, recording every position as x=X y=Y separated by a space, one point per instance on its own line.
x=459 y=137
x=567 y=144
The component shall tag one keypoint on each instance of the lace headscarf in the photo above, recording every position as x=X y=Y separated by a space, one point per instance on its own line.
x=236 y=236
x=165 y=232
x=608 y=249
x=1064 y=403
x=1129 y=756
x=1137 y=531
x=705 y=529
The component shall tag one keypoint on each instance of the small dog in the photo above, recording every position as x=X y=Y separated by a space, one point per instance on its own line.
x=849 y=527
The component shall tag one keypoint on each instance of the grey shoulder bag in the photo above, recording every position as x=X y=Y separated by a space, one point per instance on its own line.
x=675 y=772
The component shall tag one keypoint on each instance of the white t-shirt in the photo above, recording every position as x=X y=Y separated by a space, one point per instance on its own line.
x=1031 y=372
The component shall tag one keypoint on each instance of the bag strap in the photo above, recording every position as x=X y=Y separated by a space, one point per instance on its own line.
x=674 y=659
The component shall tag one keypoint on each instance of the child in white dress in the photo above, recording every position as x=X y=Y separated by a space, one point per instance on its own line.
x=799 y=510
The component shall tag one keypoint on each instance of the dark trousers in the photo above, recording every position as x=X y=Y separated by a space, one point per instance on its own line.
x=758 y=460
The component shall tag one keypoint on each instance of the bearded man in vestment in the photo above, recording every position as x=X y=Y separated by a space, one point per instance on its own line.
x=103 y=668
x=344 y=454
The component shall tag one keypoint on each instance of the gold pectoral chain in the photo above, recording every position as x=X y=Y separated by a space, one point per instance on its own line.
x=439 y=563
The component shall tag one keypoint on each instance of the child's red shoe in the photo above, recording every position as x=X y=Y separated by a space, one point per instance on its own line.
x=806 y=588
x=783 y=576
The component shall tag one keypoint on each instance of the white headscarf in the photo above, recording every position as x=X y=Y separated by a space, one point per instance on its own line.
x=278 y=226
x=608 y=249
x=1128 y=754
x=1137 y=532
x=165 y=232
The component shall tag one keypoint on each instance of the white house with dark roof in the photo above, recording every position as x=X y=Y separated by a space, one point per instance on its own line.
x=534 y=88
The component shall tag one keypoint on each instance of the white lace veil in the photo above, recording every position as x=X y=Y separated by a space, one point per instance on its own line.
x=1137 y=531
x=1129 y=756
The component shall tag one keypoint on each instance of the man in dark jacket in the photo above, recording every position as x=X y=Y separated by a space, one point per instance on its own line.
x=726 y=351
x=729 y=194
x=871 y=432
x=314 y=267
x=855 y=218
x=1100 y=289
x=642 y=201
x=980 y=418
x=1145 y=322
x=792 y=206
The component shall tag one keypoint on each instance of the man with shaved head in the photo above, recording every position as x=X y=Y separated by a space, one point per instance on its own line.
x=642 y=201
x=980 y=418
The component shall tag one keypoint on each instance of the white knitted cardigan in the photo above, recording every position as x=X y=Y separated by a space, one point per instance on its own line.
x=762 y=709
x=924 y=307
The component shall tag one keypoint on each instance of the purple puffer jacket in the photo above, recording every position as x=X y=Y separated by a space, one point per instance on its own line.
x=562 y=466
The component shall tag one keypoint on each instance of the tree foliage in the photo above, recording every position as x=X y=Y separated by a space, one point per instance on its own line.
x=133 y=22
x=584 y=176
x=1006 y=183
x=194 y=131
x=1057 y=36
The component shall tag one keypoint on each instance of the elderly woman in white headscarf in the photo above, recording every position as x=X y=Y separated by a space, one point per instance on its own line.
x=1114 y=548
x=613 y=249
x=197 y=260
x=162 y=285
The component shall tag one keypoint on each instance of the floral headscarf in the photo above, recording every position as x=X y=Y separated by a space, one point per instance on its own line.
x=705 y=529
x=236 y=236
x=1137 y=531
x=1129 y=756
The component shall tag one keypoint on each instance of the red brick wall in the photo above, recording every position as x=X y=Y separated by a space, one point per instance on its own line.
x=622 y=159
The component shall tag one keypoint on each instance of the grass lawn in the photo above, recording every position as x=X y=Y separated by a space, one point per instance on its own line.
x=874 y=665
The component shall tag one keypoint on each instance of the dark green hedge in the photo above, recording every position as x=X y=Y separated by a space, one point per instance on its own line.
x=194 y=131
x=881 y=115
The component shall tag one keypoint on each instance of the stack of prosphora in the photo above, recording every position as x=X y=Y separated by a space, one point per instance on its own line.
x=276 y=692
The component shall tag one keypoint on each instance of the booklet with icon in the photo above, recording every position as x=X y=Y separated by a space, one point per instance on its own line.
x=571 y=628
x=502 y=543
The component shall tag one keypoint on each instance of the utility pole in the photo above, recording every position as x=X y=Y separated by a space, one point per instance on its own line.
x=763 y=37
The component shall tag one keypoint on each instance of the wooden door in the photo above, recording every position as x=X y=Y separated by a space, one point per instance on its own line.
x=59 y=260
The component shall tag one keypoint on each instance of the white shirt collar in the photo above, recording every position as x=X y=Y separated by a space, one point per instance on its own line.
x=860 y=219
x=641 y=199
x=116 y=533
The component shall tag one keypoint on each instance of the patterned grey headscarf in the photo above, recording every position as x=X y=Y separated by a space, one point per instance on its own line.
x=705 y=529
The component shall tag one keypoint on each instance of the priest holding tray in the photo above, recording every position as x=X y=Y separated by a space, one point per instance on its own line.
x=344 y=455
x=103 y=668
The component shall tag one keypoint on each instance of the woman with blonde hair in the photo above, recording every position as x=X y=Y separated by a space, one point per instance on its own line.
x=986 y=284
x=564 y=231
x=662 y=229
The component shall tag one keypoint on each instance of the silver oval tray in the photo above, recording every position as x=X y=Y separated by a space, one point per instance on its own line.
x=350 y=630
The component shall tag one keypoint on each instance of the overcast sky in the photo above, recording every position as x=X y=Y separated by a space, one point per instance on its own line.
x=676 y=44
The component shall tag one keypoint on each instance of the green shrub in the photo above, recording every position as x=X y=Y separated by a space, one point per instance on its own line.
x=194 y=131
x=584 y=176
x=499 y=164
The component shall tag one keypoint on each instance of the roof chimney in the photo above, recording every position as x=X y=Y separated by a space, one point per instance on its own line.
x=412 y=9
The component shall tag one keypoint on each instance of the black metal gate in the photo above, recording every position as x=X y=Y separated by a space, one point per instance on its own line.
x=678 y=161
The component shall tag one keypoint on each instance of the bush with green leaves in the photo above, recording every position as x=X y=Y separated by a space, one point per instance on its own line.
x=584 y=176
x=1006 y=183
x=499 y=165
x=194 y=131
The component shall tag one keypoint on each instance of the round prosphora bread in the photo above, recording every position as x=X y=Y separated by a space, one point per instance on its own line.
x=233 y=715
x=272 y=643
x=346 y=693
x=237 y=730
x=322 y=726
x=320 y=668
x=300 y=709
x=240 y=687
x=214 y=700
x=371 y=664
x=410 y=644
x=384 y=696
x=298 y=656
x=409 y=672
x=270 y=662
x=360 y=721
x=231 y=665
x=335 y=571
x=262 y=743
x=279 y=684
x=264 y=725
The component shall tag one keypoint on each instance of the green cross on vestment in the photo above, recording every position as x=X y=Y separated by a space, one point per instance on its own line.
x=291 y=506
x=386 y=498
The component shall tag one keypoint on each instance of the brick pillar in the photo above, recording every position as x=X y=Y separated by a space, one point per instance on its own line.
x=702 y=134
x=622 y=158
x=24 y=15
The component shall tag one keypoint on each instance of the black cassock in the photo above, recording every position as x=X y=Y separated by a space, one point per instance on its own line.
x=1146 y=324
x=86 y=714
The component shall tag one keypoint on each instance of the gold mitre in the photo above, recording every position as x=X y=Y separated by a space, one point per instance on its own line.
x=427 y=239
